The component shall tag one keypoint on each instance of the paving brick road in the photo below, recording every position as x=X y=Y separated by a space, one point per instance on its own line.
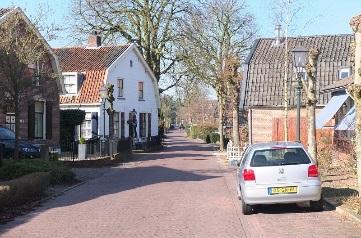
x=184 y=191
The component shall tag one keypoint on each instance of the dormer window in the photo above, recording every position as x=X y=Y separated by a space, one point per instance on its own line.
x=344 y=73
x=71 y=83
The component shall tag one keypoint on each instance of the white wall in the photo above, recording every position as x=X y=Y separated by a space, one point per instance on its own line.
x=132 y=75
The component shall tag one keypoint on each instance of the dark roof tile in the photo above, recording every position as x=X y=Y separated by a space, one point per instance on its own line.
x=264 y=86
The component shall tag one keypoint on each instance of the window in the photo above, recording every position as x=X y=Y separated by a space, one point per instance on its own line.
x=122 y=125
x=35 y=67
x=141 y=90
x=131 y=63
x=70 y=83
x=120 y=88
x=10 y=121
x=142 y=125
x=279 y=156
x=86 y=127
x=149 y=124
x=116 y=124
x=344 y=73
x=39 y=120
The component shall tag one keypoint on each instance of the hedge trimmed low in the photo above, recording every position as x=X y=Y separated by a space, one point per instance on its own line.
x=59 y=172
x=26 y=188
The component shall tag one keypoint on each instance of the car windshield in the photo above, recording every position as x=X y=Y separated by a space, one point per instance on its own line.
x=279 y=156
x=6 y=134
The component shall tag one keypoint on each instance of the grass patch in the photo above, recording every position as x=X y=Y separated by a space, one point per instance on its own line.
x=59 y=172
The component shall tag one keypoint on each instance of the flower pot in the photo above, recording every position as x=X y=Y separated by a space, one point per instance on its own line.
x=82 y=151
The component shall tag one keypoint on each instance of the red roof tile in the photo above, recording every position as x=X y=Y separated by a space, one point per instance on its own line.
x=89 y=92
x=80 y=59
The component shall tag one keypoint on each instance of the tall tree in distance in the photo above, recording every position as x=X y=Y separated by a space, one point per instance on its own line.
x=215 y=34
x=150 y=23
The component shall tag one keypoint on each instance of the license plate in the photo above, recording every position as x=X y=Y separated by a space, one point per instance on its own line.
x=282 y=190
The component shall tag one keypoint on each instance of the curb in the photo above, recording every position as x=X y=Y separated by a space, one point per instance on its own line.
x=342 y=211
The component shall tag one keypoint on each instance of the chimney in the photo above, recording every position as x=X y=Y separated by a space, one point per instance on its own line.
x=278 y=29
x=94 y=39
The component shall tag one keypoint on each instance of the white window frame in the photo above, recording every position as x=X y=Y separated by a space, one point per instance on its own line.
x=75 y=75
x=120 y=89
x=344 y=70
x=88 y=130
x=44 y=120
x=141 y=92
x=9 y=123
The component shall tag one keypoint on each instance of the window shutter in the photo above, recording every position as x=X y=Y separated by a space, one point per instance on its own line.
x=149 y=124
x=94 y=124
x=31 y=121
x=49 y=120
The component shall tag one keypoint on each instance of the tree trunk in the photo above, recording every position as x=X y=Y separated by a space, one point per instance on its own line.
x=235 y=127
x=111 y=124
x=311 y=101
x=220 y=122
x=17 y=123
x=312 y=145
x=355 y=90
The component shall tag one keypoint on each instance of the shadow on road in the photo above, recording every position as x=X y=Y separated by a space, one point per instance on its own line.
x=117 y=180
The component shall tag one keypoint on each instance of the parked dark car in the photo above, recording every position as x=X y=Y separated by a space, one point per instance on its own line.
x=26 y=149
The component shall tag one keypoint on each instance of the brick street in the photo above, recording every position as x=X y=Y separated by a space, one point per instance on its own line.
x=183 y=191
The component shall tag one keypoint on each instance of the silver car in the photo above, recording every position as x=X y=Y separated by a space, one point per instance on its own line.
x=271 y=173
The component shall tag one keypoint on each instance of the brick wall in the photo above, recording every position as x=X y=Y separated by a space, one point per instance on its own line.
x=268 y=125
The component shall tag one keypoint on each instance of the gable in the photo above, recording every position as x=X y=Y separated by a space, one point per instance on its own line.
x=6 y=12
x=265 y=69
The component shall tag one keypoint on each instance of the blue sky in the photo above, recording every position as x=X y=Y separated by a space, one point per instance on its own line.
x=323 y=16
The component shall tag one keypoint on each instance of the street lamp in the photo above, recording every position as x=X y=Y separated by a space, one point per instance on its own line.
x=299 y=62
x=103 y=93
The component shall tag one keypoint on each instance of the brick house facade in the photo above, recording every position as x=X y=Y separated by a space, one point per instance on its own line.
x=262 y=93
x=39 y=111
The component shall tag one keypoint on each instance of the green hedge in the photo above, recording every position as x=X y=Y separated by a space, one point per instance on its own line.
x=23 y=189
x=214 y=137
x=59 y=172
x=201 y=132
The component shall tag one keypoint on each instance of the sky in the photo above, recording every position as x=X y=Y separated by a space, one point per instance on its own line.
x=316 y=17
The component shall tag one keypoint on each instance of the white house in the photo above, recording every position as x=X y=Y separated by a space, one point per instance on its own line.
x=87 y=69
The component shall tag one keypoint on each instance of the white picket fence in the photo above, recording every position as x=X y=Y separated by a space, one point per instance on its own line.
x=234 y=153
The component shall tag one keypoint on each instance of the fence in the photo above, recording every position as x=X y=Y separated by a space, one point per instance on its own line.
x=94 y=148
x=234 y=153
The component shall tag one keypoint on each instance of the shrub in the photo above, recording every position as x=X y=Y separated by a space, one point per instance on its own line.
x=208 y=139
x=194 y=132
x=214 y=137
x=23 y=189
x=14 y=169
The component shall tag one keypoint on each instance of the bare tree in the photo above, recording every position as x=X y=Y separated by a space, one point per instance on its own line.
x=150 y=23
x=20 y=47
x=310 y=89
x=215 y=32
x=355 y=90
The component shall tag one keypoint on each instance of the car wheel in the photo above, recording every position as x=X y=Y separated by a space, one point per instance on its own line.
x=316 y=206
x=246 y=209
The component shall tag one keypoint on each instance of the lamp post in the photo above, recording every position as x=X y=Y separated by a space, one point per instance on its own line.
x=103 y=93
x=299 y=62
